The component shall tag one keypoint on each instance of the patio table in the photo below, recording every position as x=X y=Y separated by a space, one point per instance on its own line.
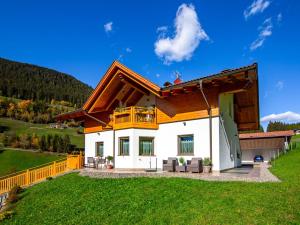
x=181 y=168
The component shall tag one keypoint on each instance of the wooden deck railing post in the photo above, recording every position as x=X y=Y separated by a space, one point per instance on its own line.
x=132 y=114
x=27 y=177
x=54 y=169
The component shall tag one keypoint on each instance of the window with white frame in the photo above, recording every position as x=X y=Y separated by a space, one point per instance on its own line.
x=124 y=146
x=186 y=144
x=146 y=146
x=99 y=149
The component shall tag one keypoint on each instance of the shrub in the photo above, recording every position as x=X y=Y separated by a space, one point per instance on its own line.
x=6 y=215
x=49 y=178
x=207 y=162
x=43 y=143
x=13 y=194
x=181 y=160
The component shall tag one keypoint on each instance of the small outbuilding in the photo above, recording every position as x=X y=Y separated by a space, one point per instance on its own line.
x=266 y=144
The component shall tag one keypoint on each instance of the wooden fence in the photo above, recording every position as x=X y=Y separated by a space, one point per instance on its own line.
x=33 y=175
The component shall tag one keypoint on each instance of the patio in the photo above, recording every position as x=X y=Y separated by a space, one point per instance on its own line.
x=248 y=174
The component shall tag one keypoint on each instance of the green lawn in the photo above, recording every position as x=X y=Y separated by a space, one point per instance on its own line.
x=72 y=199
x=21 y=127
x=13 y=160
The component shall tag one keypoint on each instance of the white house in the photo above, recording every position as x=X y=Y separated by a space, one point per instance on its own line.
x=140 y=123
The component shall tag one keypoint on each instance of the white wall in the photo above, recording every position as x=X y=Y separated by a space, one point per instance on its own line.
x=168 y=134
x=165 y=143
x=134 y=160
x=90 y=143
x=229 y=139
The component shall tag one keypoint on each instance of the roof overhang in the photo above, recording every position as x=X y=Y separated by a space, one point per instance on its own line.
x=121 y=84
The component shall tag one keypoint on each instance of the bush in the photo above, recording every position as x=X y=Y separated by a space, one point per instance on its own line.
x=6 y=215
x=207 y=162
x=181 y=160
x=13 y=194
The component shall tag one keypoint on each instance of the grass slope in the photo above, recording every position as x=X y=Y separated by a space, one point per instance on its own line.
x=13 y=160
x=21 y=127
x=72 y=199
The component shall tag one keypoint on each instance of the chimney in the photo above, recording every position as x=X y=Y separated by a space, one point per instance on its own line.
x=178 y=78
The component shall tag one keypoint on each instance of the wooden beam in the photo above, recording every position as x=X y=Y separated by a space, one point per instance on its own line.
x=130 y=96
x=103 y=91
x=124 y=99
x=122 y=92
x=132 y=84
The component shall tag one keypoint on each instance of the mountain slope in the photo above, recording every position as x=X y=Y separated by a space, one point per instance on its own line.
x=26 y=81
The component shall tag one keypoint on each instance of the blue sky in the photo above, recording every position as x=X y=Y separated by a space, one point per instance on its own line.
x=82 y=38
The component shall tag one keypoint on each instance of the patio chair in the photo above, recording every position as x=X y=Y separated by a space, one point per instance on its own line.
x=170 y=164
x=91 y=162
x=101 y=162
x=194 y=165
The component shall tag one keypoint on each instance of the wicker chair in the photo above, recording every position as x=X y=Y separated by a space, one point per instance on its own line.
x=195 y=165
x=170 y=164
x=101 y=162
x=91 y=162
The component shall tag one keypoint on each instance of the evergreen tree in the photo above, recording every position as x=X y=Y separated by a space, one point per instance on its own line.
x=67 y=143
x=55 y=143
x=43 y=143
x=49 y=142
x=25 y=81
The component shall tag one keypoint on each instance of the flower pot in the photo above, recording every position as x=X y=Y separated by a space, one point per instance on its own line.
x=206 y=169
x=110 y=166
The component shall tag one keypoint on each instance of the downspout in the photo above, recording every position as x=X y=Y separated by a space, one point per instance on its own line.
x=210 y=119
x=114 y=160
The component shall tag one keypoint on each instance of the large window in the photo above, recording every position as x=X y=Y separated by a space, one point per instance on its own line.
x=186 y=145
x=124 y=146
x=99 y=149
x=146 y=146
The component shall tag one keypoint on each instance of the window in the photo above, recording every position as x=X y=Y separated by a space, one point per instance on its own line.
x=124 y=146
x=99 y=149
x=186 y=145
x=146 y=146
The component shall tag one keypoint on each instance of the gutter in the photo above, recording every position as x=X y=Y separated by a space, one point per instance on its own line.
x=210 y=119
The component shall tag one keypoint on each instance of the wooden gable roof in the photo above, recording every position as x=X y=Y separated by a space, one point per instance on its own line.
x=119 y=83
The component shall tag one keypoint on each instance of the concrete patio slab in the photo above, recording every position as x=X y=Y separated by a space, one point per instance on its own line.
x=256 y=174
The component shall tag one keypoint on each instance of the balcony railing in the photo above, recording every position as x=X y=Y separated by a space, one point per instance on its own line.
x=135 y=117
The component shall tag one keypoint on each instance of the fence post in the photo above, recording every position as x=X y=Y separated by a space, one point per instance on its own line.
x=80 y=159
x=27 y=177
x=54 y=168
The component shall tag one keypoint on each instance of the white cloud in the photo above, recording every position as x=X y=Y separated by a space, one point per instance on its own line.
x=108 y=27
x=279 y=85
x=187 y=37
x=120 y=57
x=162 y=29
x=286 y=116
x=279 y=17
x=128 y=50
x=157 y=75
x=257 y=6
x=265 y=31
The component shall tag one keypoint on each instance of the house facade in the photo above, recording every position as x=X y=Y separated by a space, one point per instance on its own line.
x=140 y=124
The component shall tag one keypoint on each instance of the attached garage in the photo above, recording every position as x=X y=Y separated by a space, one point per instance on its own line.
x=266 y=144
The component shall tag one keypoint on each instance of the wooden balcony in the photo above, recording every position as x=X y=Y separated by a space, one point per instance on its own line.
x=135 y=117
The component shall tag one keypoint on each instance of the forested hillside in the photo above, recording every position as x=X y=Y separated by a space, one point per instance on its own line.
x=26 y=81
x=277 y=125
